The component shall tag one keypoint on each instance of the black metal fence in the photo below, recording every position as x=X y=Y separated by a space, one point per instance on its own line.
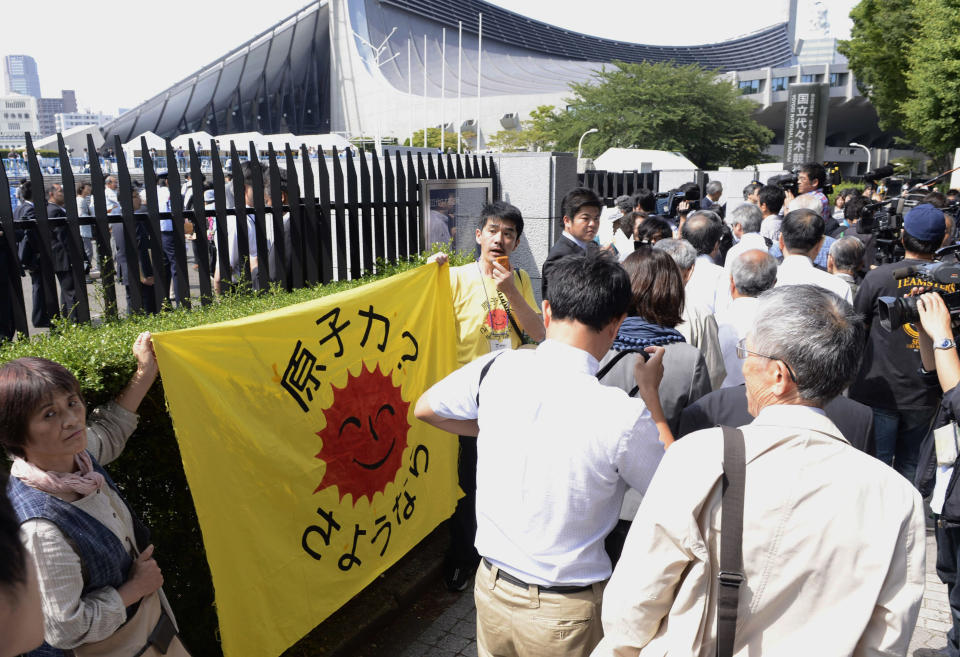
x=610 y=184
x=352 y=211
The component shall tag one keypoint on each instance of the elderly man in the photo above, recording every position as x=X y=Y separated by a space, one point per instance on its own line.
x=801 y=239
x=551 y=479
x=744 y=223
x=752 y=273
x=844 y=260
x=833 y=542
x=711 y=200
x=699 y=326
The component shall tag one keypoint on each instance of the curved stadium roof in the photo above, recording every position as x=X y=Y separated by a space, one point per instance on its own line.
x=279 y=81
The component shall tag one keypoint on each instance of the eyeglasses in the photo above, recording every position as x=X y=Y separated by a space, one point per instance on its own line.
x=742 y=352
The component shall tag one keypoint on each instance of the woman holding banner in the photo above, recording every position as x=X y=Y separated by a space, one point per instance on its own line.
x=99 y=583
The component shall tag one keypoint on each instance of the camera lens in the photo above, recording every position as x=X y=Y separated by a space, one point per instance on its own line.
x=894 y=312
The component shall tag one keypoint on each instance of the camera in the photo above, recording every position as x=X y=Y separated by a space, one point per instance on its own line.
x=941 y=274
x=668 y=202
x=785 y=181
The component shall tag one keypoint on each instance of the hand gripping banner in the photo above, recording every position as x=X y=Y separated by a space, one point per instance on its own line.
x=308 y=470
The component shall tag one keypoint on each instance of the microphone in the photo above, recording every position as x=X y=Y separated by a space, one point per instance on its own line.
x=880 y=172
x=905 y=272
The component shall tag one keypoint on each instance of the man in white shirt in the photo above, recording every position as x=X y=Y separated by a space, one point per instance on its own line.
x=744 y=222
x=551 y=478
x=833 y=542
x=752 y=273
x=704 y=231
x=801 y=236
x=770 y=199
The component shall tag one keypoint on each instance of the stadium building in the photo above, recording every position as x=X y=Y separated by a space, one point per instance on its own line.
x=364 y=68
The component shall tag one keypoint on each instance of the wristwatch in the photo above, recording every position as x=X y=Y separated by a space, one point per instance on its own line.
x=946 y=343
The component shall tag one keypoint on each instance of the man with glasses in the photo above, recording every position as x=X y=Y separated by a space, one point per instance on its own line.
x=833 y=540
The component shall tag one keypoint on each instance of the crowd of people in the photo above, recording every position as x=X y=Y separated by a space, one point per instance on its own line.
x=596 y=448
x=701 y=441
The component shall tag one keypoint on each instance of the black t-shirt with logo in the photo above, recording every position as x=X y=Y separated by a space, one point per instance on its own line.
x=890 y=376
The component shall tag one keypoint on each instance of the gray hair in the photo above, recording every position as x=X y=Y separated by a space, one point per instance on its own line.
x=806 y=202
x=713 y=187
x=624 y=203
x=748 y=216
x=847 y=252
x=818 y=334
x=681 y=251
x=754 y=275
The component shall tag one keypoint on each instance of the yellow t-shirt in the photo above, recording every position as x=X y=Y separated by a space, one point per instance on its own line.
x=480 y=313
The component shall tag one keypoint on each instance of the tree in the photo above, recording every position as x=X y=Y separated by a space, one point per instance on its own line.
x=664 y=107
x=877 y=53
x=536 y=133
x=931 y=113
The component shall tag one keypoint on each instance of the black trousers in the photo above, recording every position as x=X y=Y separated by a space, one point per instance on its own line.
x=463 y=523
x=68 y=299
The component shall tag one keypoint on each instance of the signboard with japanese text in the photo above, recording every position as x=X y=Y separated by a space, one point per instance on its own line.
x=308 y=470
x=806 y=124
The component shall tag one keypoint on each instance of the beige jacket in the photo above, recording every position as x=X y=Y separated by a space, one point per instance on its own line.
x=833 y=549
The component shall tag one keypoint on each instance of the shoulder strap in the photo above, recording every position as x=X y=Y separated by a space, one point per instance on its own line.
x=613 y=361
x=483 y=374
x=731 y=539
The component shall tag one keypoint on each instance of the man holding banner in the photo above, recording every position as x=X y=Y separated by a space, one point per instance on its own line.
x=495 y=309
x=555 y=456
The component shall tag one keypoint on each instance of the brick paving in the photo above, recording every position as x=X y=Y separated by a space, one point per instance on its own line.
x=929 y=637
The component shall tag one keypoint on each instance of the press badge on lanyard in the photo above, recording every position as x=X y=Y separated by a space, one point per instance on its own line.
x=499 y=345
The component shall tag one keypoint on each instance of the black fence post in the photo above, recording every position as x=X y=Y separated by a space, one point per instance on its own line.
x=297 y=242
x=130 y=241
x=43 y=234
x=311 y=223
x=202 y=250
x=380 y=248
x=390 y=214
x=101 y=232
x=240 y=215
x=366 y=214
x=353 y=215
x=161 y=264
x=12 y=259
x=340 y=224
x=403 y=244
x=326 y=235
x=278 y=267
x=220 y=220
x=74 y=240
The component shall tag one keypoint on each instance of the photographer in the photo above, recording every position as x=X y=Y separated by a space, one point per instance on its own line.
x=939 y=465
x=889 y=381
x=810 y=179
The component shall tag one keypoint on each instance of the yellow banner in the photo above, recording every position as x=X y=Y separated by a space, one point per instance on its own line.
x=308 y=470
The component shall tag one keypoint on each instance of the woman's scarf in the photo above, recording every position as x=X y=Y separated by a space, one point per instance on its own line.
x=637 y=333
x=84 y=481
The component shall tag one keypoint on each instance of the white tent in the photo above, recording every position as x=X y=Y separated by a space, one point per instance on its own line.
x=240 y=139
x=153 y=141
x=326 y=142
x=200 y=139
x=279 y=141
x=641 y=159
x=74 y=138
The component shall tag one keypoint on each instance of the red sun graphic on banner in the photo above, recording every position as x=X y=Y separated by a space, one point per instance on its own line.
x=365 y=436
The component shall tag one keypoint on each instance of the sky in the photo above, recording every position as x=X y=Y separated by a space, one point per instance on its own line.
x=118 y=53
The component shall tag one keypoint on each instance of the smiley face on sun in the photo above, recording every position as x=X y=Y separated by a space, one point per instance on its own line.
x=365 y=436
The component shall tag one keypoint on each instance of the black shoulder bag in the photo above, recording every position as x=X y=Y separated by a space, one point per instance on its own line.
x=731 y=539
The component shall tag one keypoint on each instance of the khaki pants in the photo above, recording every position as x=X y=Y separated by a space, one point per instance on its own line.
x=523 y=622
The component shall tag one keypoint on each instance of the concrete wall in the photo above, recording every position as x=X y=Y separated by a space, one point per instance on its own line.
x=535 y=183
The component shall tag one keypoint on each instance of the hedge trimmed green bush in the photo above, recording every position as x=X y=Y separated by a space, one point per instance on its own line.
x=150 y=471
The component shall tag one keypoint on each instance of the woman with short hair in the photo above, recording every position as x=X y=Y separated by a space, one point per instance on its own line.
x=99 y=583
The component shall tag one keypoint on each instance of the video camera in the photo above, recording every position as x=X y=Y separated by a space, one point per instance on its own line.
x=894 y=312
x=669 y=202
x=788 y=181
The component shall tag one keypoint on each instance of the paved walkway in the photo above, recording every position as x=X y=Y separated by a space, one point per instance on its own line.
x=453 y=633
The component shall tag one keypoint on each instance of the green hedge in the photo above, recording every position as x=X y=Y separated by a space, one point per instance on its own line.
x=150 y=472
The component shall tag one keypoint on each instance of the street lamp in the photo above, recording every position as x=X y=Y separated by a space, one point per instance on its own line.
x=853 y=143
x=580 y=143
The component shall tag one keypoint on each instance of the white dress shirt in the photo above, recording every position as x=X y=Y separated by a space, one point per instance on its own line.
x=555 y=454
x=799 y=270
x=733 y=324
x=748 y=242
x=706 y=282
x=833 y=549
x=770 y=227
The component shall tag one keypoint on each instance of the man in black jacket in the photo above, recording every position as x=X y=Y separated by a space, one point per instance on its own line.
x=728 y=407
x=581 y=219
